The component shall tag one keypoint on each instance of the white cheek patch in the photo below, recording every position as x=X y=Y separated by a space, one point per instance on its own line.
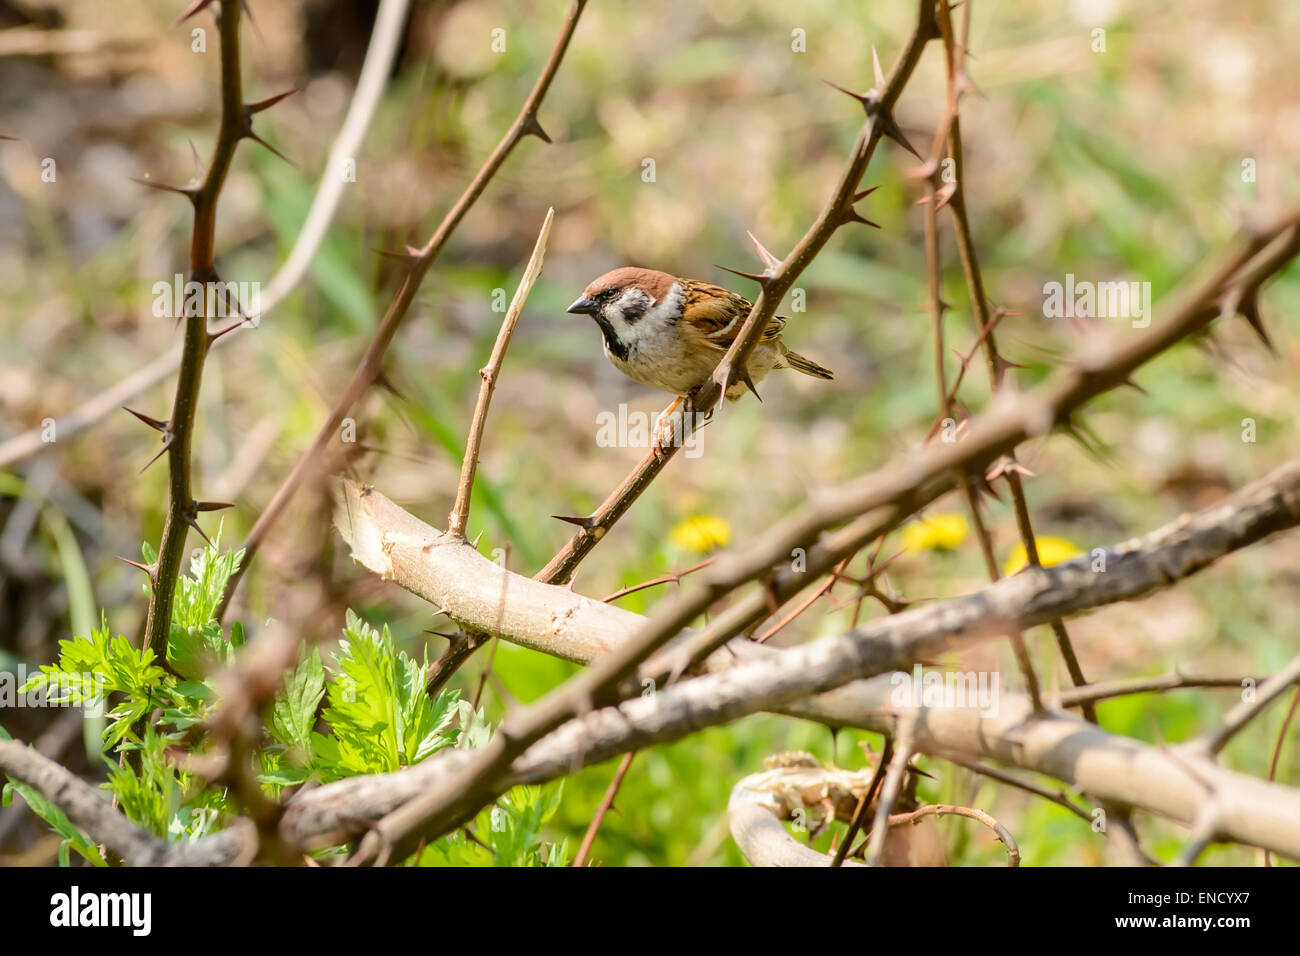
x=670 y=309
x=653 y=322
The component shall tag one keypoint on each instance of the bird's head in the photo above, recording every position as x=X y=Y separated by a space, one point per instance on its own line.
x=630 y=302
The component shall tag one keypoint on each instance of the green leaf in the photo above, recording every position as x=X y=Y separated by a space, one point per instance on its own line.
x=294 y=712
x=380 y=715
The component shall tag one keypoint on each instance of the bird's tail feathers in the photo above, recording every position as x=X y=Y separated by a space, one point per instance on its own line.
x=800 y=364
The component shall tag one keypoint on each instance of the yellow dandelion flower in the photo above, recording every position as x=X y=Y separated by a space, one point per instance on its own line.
x=702 y=533
x=936 y=532
x=1050 y=551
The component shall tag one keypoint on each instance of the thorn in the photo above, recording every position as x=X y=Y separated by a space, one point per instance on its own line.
x=136 y=564
x=213 y=336
x=212 y=505
x=192 y=520
x=585 y=524
x=889 y=128
x=757 y=277
x=186 y=191
x=871 y=105
x=743 y=375
x=1004 y=466
x=863 y=98
x=1128 y=380
x=383 y=381
x=770 y=262
x=532 y=127
x=249 y=134
x=944 y=195
x=876 y=71
x=924 y=171
x=1208 y=342
x=198 y=163
x=1247 y=306
x=477 y=538
x=1088 y=442
x=157 y=424
x=966 y=85
x=194 y=8
x=167 y=443
x=407 y=258
x=253 y=108
x=852 y=215
x=981 y=487
x=1001 y=365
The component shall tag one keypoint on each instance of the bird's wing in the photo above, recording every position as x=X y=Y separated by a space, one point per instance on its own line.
x=714 y=315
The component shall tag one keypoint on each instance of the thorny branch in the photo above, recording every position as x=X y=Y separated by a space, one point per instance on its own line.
x=775 y=280
x=433 y=809
x=958 y=85
x=895 y=491
x=591 y=719
x=935 y=197
x=380 y=55
x=916 y=480
x=760 y=678
x=178 y=431
x=418 y=262
x=1105 y=766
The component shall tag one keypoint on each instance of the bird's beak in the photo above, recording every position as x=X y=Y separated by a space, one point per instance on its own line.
x=583 y=306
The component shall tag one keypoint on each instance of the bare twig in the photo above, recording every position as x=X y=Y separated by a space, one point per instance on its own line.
x=460 y=510
x=864 y=803
x=605 y=804
x=1277 y=751
x=970 y=813
x=1098 y=690
x=1205 y=830
x=1236 y=719
x=674 y=577
x=1057 y=797
x=890 y=789
x=821 y=591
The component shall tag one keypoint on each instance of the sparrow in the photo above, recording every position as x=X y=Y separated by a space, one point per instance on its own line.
x=670 y=333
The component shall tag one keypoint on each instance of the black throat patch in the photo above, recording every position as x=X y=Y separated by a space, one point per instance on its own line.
x=617 y=347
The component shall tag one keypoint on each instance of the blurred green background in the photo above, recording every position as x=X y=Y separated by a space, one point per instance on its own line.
x=1125 y=163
